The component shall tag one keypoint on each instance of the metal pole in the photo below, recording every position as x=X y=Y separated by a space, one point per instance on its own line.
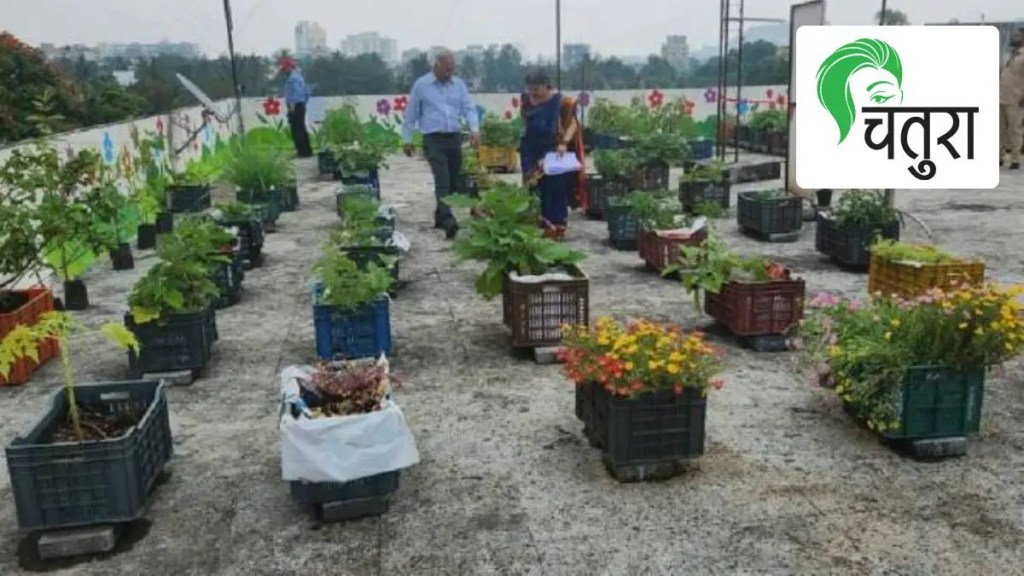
x=739 y=85
x=234 y=66
x=558 y=44
x=890 y=194
x=723 y=35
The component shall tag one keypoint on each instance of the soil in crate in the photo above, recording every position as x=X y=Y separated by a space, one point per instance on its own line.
x=97 y=425
x=10 y=302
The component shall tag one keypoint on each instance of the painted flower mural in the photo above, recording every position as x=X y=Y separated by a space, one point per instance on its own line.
x=508 y=114
x=742 y=107
x=160 y=127
x=515 y=102
x=583 y=98
x=769 y=93
x=384 y=107
x=656 y=98
x=271 y=106
x=108 y=148
x=711 y=95
x=400 y=103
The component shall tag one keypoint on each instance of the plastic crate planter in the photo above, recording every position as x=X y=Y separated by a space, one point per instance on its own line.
x=250 y=239
x=326 y=163
x=71 y=484
x=499 y=159
x=599 y=191
x=194 y=198
x=650 y=435
x=346 y=466
x=364 y=190
x=850 y=247
x=622 y=224
x=699 y=185
x=538 y=306
x=350 y=334
x=660 y=249
x=937 y=402
x=266 y=204
x=364 y=178
x=767 y=213
x=290 y=198
x=758 y=308
x=653 y=177
x=174 y=343
x=913 y=279
x=228 y=277
x=702 y=149
x=37 y=302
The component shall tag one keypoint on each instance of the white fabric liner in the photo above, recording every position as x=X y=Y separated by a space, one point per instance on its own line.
x=341 y=448
x=554 y=165
x=546 y=277
x=697 y=225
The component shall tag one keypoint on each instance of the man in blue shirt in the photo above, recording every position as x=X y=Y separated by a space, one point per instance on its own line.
x=437 y=103
x=295 y=96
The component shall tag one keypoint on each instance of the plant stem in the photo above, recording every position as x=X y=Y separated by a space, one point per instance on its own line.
x=69 y=388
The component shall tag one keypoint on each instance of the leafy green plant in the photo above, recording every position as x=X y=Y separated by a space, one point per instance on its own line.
x=233 y=212
x=894 y=251
x=709 y=209
x=20 y=245
x=765 y=195
x=863 y=209
x=499 y=133
x=661 y=149
x=652 y=210
x=715 y=171
x=361 y=157
x=768 y=120
x=706 y=268
x=615 y=164
x=344 y=285
x=24 y=341
x=182 y=280
x=341 y=126
x=606 y=117
x=256 y=168
x=506 y=238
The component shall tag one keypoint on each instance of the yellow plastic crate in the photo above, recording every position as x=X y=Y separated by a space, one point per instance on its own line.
x=910 y=281
x=499 y=159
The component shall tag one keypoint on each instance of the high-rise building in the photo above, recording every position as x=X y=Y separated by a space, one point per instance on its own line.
x=411 y=54
x=370 y=43
x=574 y=54
x=677 y=51
x=136 y=50
x=310 y=39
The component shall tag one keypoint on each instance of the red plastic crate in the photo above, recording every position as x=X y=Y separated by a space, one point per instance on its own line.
x=660 y=252
x=758 y=308
x=40 y=301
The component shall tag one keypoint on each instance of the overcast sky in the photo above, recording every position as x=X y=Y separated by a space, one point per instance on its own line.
x=623 y=27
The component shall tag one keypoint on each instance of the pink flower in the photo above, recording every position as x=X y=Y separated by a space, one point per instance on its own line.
x=824 y=300
x=716 y=383
x=854 y=305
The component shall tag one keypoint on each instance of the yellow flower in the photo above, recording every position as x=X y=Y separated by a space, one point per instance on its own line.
x=979 y=331
x=834 y=351
x=888 y=335
x=672 y=368
x=675 y=357
x=963 y=325
x=629 y=365
x=895 y=322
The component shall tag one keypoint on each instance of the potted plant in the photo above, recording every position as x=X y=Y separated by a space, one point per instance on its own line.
x=705 y=182
x=655 y=151
x=121 y=213
x=861 y=218
x=367 y=235
x=914 y=369
x=189 y=189
x=360 y=162
x=20 y=250
x=662 y=231
x=344 y=440
x=340 y=127
x=607 y=122
x=910 y=270
x=767 y=131
x=641 y=391
x=71 y=202
x=96 y=453
x=614 y=168
x=539 y=280
x=351 y=308
x=623 y=228
x=752 y=296
x=260 y=176
x=769 y=214
x=171 y=306
x=499 y=140
x=208 y=243
x=241 y=218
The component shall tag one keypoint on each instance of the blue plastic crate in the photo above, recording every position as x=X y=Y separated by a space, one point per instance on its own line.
x=371 y=178
x=702 y=149
x=363 y=333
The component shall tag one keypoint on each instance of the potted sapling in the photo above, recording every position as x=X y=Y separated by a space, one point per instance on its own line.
x=189 y=190
x=344 y=439
x=614 y=168
x=95 y=455
x=861 y=218
x=260 y=176
x=654 y=153
x=241 y=218
x=351 y=308
x=367 y=234
x=662 y=231
x=705 y=182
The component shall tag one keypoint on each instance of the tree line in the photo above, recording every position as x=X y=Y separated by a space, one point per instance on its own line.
x=80 y=92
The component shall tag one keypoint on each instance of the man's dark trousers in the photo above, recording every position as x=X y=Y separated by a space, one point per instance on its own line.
x=297 y=122
x=444 y=153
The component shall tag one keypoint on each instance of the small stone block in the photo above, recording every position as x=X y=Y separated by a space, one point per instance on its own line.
x=654 y=471
x=765 y=343
x=937 y=447
x=546 y=354
x=352 y=509
x=78 y=541
x=179 y=378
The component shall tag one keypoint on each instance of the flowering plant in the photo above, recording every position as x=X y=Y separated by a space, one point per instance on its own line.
x=639 y=357
x=865 y=350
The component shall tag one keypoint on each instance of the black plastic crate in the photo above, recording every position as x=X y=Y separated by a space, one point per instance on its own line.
x=599 y=190
x=585 y=411
x=326 y=162
x=769 y=215
x=695 y=192
x=364 y=178
x=363 y=190
x=189 y=198
x=849 y=247
x=177 y=342
x=653 y=177
x=70 y=484
x=378 y=485
x=266 y=204
x=653 y=429
x=290 y=198
x=622 y=225
x=229 y=276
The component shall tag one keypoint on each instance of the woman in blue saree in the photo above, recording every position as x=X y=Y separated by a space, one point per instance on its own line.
x=550 y=125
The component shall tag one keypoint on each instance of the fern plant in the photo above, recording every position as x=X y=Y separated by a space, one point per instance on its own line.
x=258 y=168
x=24 y=341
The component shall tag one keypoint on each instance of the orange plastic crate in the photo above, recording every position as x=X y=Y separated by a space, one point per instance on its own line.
x=909 y=281
x=40 y=301
x=495 y=158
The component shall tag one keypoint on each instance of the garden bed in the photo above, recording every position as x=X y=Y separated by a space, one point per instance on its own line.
x=769 y=213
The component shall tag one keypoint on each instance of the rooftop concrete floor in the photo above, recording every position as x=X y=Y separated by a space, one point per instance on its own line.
x=507 y=484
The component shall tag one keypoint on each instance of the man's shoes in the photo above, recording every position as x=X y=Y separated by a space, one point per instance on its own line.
x=451 y=231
